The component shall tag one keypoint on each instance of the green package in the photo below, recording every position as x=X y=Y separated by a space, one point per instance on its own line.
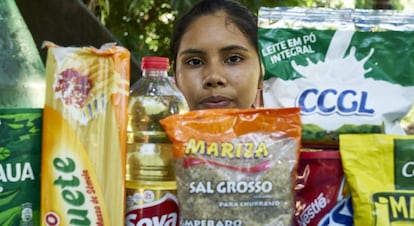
x=350 y=71
x=20 y=151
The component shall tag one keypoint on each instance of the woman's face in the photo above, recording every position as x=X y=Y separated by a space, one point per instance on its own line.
x=216 y=65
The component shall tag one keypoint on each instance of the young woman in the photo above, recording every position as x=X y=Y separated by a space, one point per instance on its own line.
x=215 y=57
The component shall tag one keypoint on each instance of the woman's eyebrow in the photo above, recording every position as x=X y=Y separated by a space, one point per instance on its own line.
x=192 y=51
x=224 y=49
x=233 y=47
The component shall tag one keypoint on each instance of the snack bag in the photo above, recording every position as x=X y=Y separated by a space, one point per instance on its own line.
x=379 y=172
x=235 y=167
x=319 y=190
x=84 y=135
x=340 y=67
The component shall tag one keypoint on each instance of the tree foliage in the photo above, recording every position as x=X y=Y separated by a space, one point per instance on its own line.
x=145 y=26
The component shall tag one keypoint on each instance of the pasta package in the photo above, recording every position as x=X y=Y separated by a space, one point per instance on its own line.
x=339 y=67
x=380 y=169
x=235 y=167
x=84 y=135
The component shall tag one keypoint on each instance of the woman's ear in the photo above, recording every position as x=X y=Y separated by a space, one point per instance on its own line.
x=261 y=78
x=258 y=103
x=260 y=85
x=173 y=73
x=259 y=96
x=175 y=78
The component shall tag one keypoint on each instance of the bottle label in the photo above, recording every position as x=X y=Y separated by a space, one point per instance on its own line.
x=20 y=148
x=143 y=208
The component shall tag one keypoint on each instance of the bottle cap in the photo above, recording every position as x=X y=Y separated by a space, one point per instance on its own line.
x=155 y=62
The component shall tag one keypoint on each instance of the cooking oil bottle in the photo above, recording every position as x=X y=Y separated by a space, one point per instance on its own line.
x=150 y=177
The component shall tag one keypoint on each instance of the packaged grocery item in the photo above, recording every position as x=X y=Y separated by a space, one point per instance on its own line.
x=380 y=169
x=150 y=178
x=235 y=167
x=342 y=214
x=408 y=122
x=319 y=189
x=339 y=66
x=84 y=135
x=22 y=96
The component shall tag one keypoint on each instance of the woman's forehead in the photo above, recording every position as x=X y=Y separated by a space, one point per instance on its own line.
x=218 y=20
x=215 y=29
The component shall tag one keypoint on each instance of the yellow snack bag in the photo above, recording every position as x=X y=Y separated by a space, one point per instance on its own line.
x=380 y=173
x=84 y=135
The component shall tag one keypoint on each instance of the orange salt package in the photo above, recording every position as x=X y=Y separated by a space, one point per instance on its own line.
x=235 y=167
x=84 y=135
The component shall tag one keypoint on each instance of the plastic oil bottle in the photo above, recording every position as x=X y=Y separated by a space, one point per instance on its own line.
x=150 y=177
x=22 y=96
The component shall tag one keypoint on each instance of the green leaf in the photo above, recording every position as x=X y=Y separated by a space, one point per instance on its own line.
x=4 y=153
x=6 y=197
x=8 y=216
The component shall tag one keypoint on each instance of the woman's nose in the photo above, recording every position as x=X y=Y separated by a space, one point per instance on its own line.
x=215 y=78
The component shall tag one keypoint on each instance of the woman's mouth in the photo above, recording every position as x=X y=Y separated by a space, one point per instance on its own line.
x=216 y=102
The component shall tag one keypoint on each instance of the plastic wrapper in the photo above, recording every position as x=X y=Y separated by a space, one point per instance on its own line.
x=350 y=71
x=380 y=169
x=235 y=167
x=22 y=85
x=84 y=135
x=320 y=194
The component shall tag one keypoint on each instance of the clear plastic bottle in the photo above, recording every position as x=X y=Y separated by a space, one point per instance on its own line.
x=150 y=178
x=22 y=96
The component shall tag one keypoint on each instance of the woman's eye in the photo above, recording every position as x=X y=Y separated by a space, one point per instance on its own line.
x=194 y=62
x=234 y=59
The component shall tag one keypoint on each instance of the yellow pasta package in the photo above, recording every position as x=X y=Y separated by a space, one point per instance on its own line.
x=84 y=135
x=380 y=173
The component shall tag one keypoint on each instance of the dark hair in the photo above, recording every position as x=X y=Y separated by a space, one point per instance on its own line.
x=240 y=15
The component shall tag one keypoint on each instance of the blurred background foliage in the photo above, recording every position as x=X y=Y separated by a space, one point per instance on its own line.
x=145 y=26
